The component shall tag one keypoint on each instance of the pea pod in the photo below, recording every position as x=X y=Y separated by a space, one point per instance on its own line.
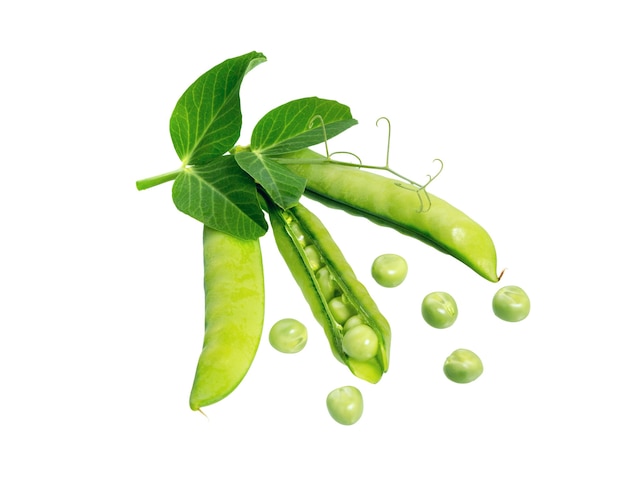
x=383 y=201
x=331 y=289
x=234 y=310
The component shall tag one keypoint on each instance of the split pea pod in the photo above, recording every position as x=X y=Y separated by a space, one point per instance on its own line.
x=359 y=335
x=234 y=311
x=383 y=201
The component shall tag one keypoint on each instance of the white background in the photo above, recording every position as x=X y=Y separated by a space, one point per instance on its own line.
x=101 y=314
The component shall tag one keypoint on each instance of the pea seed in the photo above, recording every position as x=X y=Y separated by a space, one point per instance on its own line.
x=511 y=303
x=345 y=405
x=360 y=343
x=439 y=309
x=313 y=255
x=340 y=310
x=328 y=286
x=351 y=322
x=299 y=234
x=389 y=270
x=463 y=366
x=288 y=336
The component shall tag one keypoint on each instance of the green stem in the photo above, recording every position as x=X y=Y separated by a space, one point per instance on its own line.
x=157 y=179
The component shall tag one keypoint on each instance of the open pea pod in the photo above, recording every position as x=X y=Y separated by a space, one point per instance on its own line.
x=339 y=302
x=386 y=202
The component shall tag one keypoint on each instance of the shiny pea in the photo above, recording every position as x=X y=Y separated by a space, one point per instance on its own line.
x=511 y=303
x=340 y=310
x=360 y=343
x=313 y=255
x=353 y=321
x=327 y=284
x=389 y=270
x=439 y=309
x=288 y=335
x=463 y=366
x=345 y=405
x=299 y=235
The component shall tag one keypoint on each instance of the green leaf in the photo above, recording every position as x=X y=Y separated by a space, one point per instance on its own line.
x=206 y=121
x=283 y=186
x=298 y=124
x=221 y=196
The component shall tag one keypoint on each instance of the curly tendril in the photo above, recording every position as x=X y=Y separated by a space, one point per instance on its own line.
x=420 y=189
x=321 y=119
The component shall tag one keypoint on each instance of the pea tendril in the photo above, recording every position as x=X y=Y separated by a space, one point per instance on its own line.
x=420 y=189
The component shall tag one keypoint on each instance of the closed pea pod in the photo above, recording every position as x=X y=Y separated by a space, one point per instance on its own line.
x=348 y=297
x=383 y=201
x=234 y=311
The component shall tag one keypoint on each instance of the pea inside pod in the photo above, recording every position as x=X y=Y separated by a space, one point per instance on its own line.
x=337 y=299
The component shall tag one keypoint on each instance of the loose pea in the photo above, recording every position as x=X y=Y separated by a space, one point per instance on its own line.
x=439 y=309
x=511 y=303
x=341 y=310
x=389 y=270
x=463 y=366
x=360 y=343
x=288 y=336
x=345 y=405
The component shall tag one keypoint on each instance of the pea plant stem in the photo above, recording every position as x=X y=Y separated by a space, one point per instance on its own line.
x=157 y=179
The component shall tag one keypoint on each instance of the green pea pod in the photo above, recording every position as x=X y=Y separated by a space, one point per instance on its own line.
x=234 y=311
x=383 y=201
x=332 y=290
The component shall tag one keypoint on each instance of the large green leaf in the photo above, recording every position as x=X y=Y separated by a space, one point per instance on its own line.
x=281 y=184
x=221 y=196
x=206 y=121
x=299 y=124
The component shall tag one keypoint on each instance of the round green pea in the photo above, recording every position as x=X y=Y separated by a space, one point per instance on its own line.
x=389 y=270
x=353 y=321
x=511 y=303
x=463 y=366
x=345 y=405
x=360 y=342
x=340 y=309
x=288 y=336
x=439 y=309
